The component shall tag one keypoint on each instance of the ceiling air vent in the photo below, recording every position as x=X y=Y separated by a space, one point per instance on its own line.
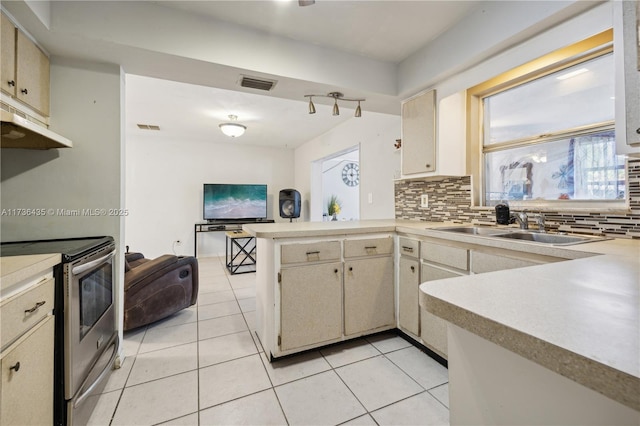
x=148 y=127
x=257 y=83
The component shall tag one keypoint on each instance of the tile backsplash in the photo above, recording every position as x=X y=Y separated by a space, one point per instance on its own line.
x=450 y=200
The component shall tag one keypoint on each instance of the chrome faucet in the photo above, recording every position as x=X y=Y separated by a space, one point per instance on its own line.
x=521 y=218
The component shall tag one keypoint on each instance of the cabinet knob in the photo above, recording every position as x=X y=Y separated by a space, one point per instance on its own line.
x=427 y=165
x=335 y=270
x=15 y=367
x=638 y=130
x=413 y=269
x=25 y=91
x=350 y=268
x=11 y=83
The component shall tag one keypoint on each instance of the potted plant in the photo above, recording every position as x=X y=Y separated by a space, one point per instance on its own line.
x=333 y=207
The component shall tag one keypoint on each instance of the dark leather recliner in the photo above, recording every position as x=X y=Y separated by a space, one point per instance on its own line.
x=157 y=288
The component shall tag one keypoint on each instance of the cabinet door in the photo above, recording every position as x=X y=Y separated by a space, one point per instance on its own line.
x=27 y=391
x=418 y=134
x=368 y=294
x=433 y=329
x=408 y=295
x=310 y=305
x=8 y=51
x=32 y=72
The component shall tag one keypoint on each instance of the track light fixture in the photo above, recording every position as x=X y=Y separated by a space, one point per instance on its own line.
x=336 y=96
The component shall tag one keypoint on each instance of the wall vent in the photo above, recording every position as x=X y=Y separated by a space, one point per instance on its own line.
x=148 y=127
x=257 y=83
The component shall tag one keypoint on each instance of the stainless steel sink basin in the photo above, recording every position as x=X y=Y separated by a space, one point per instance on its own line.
x=474 y=230
x=516 y=234
x=554 y=239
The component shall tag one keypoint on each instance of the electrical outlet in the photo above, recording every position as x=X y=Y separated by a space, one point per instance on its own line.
x=424 y=200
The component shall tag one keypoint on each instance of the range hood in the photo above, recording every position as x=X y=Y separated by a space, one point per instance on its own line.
x=18 y=132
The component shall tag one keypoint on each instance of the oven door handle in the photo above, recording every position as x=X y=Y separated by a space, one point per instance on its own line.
x=80 y=397
x=77 y=270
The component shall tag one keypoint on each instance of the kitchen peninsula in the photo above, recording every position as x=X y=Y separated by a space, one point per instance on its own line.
x=574 y=323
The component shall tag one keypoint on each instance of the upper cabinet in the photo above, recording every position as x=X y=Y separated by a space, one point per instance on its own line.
x=627 y=46
x=24 y=70
x=434 y=139
x=418 y=134
x=8 y=63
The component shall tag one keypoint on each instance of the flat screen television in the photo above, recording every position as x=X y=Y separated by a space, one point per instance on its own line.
x=225 y=201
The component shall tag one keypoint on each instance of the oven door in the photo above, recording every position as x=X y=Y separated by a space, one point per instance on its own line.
x=89 y=315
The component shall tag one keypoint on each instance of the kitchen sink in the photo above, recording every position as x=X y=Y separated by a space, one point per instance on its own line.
x=520 y=235
x=474 y=230
x=554 y=239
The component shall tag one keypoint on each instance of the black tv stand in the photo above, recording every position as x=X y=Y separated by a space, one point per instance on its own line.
x=222 y=225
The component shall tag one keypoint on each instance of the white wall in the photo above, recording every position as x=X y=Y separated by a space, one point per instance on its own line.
x=164 y=189
x=332 y=184
x=379 y=163
x=86 y=108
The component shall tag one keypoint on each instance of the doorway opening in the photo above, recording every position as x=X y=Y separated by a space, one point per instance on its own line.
x=337 y=184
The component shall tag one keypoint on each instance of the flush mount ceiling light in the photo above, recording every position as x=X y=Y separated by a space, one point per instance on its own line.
x=336 y=96
x=232 y=129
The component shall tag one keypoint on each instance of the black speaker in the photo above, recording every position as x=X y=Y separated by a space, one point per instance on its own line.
x=290 y=203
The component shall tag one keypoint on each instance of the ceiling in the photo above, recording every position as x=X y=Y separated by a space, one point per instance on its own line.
x=386 y=31
x=188 y=91
x=383 y=30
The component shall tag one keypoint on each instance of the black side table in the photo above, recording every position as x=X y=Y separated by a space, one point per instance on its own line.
x=240 y=252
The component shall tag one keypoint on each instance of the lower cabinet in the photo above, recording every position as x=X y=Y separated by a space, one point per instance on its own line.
x=327 y=291
x=433 y=329
x=368 y=294
x=311 y=305
x=26 y=393
x=408 y=294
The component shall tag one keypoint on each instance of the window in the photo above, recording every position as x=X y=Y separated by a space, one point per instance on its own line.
x=548 y=133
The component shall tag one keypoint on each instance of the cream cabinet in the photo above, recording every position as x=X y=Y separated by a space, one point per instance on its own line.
x=419 y=134
x=8 y=62
x=310 y=305
x=627 y=52
x=369 y=297
x=27 y=339
x=26 y=392
x=310 y=281
x=408 y=286
x=439 y=261
x=325 y=291
x=25 y=74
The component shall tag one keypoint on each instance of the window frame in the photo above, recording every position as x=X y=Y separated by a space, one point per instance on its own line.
x=592 y=47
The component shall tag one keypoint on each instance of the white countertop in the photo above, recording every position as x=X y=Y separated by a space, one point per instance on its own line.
x=579 y=318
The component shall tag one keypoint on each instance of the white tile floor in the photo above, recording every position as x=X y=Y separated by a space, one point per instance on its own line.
x=204 y=366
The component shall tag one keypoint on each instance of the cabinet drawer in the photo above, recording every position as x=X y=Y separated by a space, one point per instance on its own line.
x=311 y=252
x=24 y=310
x=409 y=247
x=445 y=255
x=368 y=247
x=485 y=262
x=432 y=273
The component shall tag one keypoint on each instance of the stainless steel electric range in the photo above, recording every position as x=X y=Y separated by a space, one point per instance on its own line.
x=86 y=339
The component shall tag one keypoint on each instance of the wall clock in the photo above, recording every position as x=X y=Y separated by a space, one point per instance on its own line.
x=351 y=174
